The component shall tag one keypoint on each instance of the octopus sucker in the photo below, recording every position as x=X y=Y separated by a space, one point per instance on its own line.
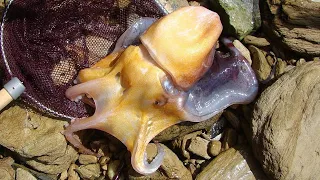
x=161 y=72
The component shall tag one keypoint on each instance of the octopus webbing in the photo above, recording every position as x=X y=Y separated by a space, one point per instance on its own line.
x=171 y=74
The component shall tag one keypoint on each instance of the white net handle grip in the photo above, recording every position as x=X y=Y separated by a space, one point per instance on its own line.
x=11 y=91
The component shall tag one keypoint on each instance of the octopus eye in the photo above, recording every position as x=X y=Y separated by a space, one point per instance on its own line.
x=161 y=102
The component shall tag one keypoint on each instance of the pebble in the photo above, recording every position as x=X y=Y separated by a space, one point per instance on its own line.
x=301 y=61
x=260 y=64
x=229 y=139
x=89 y=171
x=316 y=59
x=72 y=174
x=113 y=168
x=22 y=174
x=199 y=147
x=232 y=118
x=64 y=175
x=280 y=67
x=104 y=160
x=256 y=41
x=87 y=159
x=214 y=148
x=244 y=51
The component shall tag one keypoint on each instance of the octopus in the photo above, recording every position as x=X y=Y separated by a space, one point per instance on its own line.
x=160 y=73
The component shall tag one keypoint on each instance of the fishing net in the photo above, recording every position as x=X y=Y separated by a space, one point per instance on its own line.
x=46 y=42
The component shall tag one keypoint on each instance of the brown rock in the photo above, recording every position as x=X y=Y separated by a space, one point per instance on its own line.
x=171 y=168
x=199 y=146
x=72 y=174
x=286 y=123
x=37 y=139
x=184 y=128
x=214 y=148
x=87 y=159
x=256 y=41
x=89 y=171
x=235 y=163
x=293 y=24
x=6 y=171
x=22 y=174
x=229 y=139
x=260 y=64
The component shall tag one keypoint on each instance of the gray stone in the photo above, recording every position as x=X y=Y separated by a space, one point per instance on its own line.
x=286 y=123
x=37 y=139
x=199 y=146
x=239 y=17
x=235 y=163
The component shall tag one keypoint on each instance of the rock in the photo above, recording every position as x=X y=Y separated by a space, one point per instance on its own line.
x=239 y=17
x=22 y=174
x=260 y=64
x=232 y=118
x=89 y=171
x=64 y=175
x=244 y=51
x=72 y=174
x=214 y=148
x=217 y=128
x=37 y=139
x=6 y=171
x=286 y=123
x=280 y=67
x=235 y=163
x=199 y=146
x=171 y=168
x=113 y=168
x=256 y=41
x=168 y=6
x=181 y=143
x=301 y=61
x=229 y=139
x=87 y=159
x=184 y=128
x=293 y=24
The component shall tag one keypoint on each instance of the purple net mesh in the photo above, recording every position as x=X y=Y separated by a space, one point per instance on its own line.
x=46 y=42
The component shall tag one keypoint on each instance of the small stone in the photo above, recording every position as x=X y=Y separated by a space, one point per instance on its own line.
x=72 y=174
x=260 y=64
x=192 y=168
x=229 y=139
x=316 y=59
x=199 y=147
x=113 y=168
x=64 y=175
x=256 y=41
x=194 y=3
x=104 y=167
x=171 y=5
x=87 y=159
x=89 y=171
x=104 y=160
x=181 y=143
x=280 y=67
x=232 y=118
x=244 y=51
x=214 y=148
x=22 y=174
x=6 y=170
x=301 y=61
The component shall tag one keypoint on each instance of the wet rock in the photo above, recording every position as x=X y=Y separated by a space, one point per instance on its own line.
x=22 y=174
x=184 y=128
x=113 y=168
x=168 y=6
x=260 y=64
x=293 y=24
x=229 y=139
x=235 y=163
x=239 y=17
x=87 y=159
x=214 y=148
x=199 y=146
x=6 y=171
x=37 y=139
x=171 y=168
x=256 y=41
x=89 y=171
x=286 y=123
